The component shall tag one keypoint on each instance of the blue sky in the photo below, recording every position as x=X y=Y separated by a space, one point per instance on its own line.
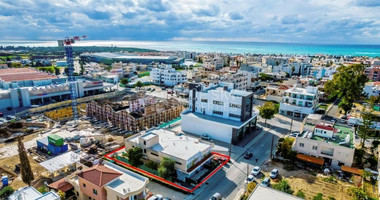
x=315 y=21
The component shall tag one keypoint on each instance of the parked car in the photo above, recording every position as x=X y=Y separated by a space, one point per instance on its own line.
x=216 y=196
x=156 y=197
x=265 y=182
x=205 y=137
x=249 y=179
x=256 y=171
x=294 y=133
x=343 y=119
x=248 y=155
x=273 y=173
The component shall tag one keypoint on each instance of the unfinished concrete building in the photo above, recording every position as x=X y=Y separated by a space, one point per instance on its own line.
x=136 y=113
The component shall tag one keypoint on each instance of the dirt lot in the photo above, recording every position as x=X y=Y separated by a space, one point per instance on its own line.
x=8 y=164
x=311 y=184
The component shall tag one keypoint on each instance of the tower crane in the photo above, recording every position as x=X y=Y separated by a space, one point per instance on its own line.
x=67 y=43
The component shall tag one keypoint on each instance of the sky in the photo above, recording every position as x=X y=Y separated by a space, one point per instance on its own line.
x=301 y=21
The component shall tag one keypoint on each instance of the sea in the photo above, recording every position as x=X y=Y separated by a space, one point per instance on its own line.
x=225 y=47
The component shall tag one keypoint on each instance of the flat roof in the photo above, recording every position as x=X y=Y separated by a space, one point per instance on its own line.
x=148 y=136
x=23 y=74
x=60 y=161
x=220 y=120
x=340 y=136
x=179 y=146
x=25 y=193
x=131 y=56
x=265 y=193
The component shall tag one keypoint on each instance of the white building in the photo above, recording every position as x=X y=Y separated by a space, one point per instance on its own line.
x=332 y=144
x=372 y=89
x=299 y=102
x=219 y=111
x=30 y=193
x=252 y=74
x=167 y=76
x=160 y=143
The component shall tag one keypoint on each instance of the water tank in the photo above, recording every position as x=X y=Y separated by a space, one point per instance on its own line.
x=4 y=179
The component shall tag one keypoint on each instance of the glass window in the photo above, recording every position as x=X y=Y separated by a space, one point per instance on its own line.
x=302 y=144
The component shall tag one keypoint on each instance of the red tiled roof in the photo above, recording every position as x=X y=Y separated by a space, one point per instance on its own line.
x=99 y=175
x=61 y=184
x=23 y=74
x=329 y=128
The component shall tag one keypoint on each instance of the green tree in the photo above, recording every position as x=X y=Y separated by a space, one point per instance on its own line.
x=6 y=192
x=265 y=77
x=267 y=111
x=348 y=84
x=43 y=189
x=124 y=81
x=25 y=168
x=300 y=194
x=319 y=196
x=358 y=193
x=365 y=128
x=166 y=169
x=293 y=69
x=139 y=84
x=134 y=156
x=283 y=186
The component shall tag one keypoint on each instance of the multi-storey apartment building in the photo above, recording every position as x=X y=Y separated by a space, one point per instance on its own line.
x=167 y=75
x=373 y=73
x=299 y=102
x=219 y=111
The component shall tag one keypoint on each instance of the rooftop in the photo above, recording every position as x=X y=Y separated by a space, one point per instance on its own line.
x=264 y=193
x=179 y=146
x=60 y=161
x=343 y=136
x=23 y=74
x=127 y=182
x=30 y=193
x=99 y=174
x=131 y=56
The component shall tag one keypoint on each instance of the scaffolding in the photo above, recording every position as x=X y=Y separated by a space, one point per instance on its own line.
x=150 y=115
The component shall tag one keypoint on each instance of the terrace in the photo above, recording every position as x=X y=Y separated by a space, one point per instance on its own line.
x=344 y=136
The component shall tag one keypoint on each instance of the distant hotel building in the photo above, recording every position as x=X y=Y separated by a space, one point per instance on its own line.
x=299 y=102
x=219 y=111
x=109 y=58
x=373 y=73
x=168 y=76
x=23 y=87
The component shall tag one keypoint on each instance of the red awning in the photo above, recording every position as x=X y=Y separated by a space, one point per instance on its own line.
x=311 y=159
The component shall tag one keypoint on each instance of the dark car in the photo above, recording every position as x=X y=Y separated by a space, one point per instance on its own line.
x=248 y=155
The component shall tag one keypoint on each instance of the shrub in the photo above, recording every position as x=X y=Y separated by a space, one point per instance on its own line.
x=152 y=165
x=6 y=192
x=331 y=198
x=300 y=194
x=134 y=156
x=283 y=186
x=110 y=139
x=166 y=169
x=250 y=187
x=15 y=125
x=319 y=196
x=330 y=179
x=43 y=189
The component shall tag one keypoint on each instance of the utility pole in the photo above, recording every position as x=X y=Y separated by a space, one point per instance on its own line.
x=229 y=150
x=271 y=148
x=291 y=125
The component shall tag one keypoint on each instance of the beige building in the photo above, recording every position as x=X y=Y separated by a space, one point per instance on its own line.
x=333 y=143
x=159 y=143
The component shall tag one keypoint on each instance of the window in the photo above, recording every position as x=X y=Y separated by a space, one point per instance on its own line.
x=234 y=116
x=235 y=105
x=204 y=100
x=178 y=163
x=84 y=185
x=144 y=150
x=217 y=112
x=154 y=154
x=95 y=191
x=302 y=144
x=315 y=147
x=144 y=142
x=218 y=103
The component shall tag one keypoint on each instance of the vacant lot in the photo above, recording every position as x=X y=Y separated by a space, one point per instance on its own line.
x=311 y=184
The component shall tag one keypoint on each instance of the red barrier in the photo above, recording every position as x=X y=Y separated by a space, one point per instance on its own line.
x=166 y=181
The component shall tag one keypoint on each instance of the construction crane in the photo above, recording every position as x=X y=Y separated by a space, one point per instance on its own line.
x=67 y=42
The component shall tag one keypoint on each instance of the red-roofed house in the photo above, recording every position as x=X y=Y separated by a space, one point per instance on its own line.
x=108 y=182
x=323 y=130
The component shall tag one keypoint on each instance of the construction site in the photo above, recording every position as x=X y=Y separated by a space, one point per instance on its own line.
x=135 y=112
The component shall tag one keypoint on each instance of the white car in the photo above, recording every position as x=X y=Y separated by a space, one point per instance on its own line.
x=249 y=179
x=273 y=173
x=256 y=171
x=156 y=197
